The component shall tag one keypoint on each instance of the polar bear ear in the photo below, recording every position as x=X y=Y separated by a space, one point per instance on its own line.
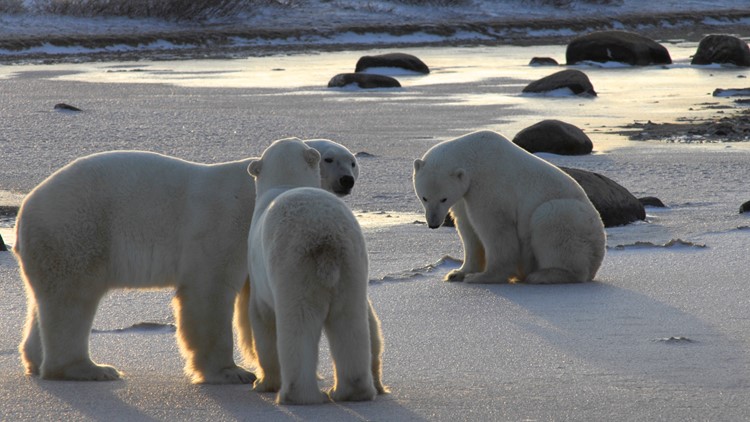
x=312 y=157
x=459 y=174
x=418 y=164
x=254 y=167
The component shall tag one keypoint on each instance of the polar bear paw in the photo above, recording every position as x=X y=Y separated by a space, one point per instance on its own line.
x=231 y=375
x=294 y=395
x=486 y=278
x=455 y=275
x=267 y=385
x=553 y=276
x=354 y=392
x=82 y=371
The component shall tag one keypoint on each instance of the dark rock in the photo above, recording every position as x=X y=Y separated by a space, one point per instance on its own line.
x=364 y=154
x=363 y=80
x=731 y=92
x=616 y=46
x=555 y=137
x=543 y=61
x=575 y=80
x=616 y=205
x=399 y=60
x=3 y=248
x=652 y=201
x=66 y=107
x=448 y=222
x=722 y=49
x=745 y=207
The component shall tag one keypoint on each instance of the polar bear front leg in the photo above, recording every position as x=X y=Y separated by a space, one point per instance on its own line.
x=65 y=326
x=474 y=253
x=204 y=330
x=503 y=255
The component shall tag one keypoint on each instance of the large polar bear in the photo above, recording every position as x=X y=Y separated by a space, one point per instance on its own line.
x=140 y=220
x=308 y=270
x=519 y=217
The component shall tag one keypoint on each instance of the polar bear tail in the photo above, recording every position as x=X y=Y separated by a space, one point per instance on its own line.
x=243 y=326
x=324 y=257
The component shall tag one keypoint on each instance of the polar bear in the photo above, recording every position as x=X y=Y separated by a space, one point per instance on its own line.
x=131 y=219
x=338 y=166
x=518 y=216
x=308 y=269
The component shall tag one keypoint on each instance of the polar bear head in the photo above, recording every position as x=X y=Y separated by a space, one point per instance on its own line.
x=438 y=187
x=286 y=162
x=338 y=166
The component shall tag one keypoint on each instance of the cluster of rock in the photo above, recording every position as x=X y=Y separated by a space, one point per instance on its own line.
x=633 y=49
x=616 y=205
x=365 y=80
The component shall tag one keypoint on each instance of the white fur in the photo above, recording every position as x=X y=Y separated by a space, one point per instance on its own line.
x=308 y=270
x=519 y=217
x=135 y=220
x=338 y=166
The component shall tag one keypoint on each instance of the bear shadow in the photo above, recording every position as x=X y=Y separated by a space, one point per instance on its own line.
x=96 y=400
x=616 y=329
x=244 y=404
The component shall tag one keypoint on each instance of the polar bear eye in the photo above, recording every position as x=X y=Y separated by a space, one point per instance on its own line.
x=424 y=198
x=354 y=165
x=444 y=199
x=328 y=160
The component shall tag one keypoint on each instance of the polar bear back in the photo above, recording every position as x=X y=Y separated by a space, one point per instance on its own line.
x=128 y=210
x=500 y=169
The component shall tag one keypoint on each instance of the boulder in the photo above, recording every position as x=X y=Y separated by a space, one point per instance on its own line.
x=651 y=201
x=616 y=46
x=722 y=49
x=575 y=80
x=399 y=60
x=363 y=80
x=543 y=61
x=731 y=92
x=554 y=136
x=616 y=205
x=66 y=107
x=745 y=207
x=3 y=248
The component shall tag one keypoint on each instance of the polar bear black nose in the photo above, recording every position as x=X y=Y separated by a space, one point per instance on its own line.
x=347 y=182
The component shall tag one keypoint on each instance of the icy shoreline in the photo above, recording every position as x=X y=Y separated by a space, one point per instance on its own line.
x=61 y=39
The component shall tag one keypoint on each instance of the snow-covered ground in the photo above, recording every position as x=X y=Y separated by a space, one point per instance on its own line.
x=304 y=25
x=662 y=334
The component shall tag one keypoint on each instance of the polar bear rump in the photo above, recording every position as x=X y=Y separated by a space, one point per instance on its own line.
x=309 y=272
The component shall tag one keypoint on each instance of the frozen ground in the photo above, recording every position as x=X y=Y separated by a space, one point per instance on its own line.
x=661 y=335
x=314 y=25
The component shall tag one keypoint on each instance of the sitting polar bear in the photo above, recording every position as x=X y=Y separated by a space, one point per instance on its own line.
x=308 y=270
x=140 y=220
x=519 y=217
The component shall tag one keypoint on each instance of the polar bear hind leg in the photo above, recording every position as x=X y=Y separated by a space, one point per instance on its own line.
x=299 y=324
x=564 y=243
x=31 y=346
x=349 y=334
x=376 y=348
x=265 y=351
x=66 y=326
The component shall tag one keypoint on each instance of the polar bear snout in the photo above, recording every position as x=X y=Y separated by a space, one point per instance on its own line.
x=347 y=182
x=434 y=220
